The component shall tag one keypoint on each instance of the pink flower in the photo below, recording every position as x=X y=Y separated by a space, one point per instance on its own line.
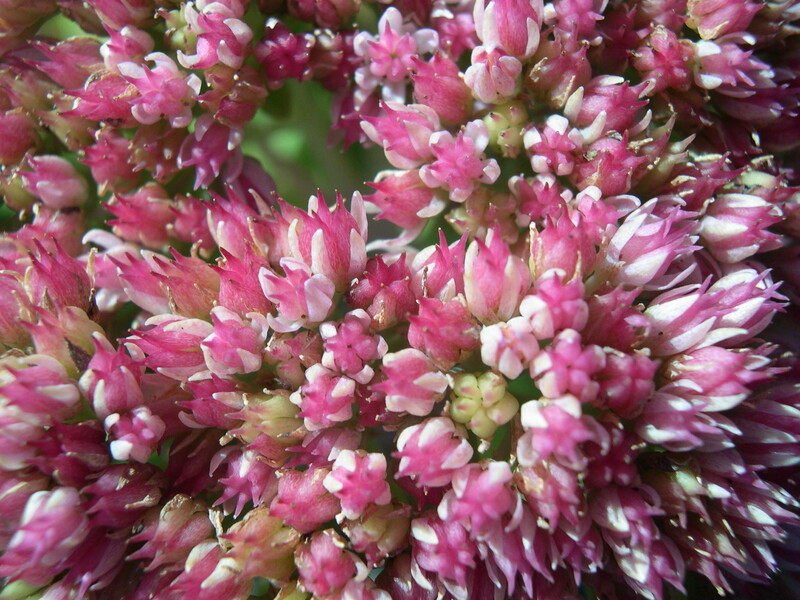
x=211 y=146
x=735 y=227
x=553 y=149
x=128 y=44
x=223 y=38
x=170 y=534
x=438 y=271
x=324 y=564
x=52 y=525
x=460 y=162
x=495 y=280
x=493 y=76
x=55 y=182
x=134 y=435
x=663 y=60
x=443 y=548
x=331 y=242
x=325 y=399
x=300 y=297
x=715 y=18
x=403 y=199
x=383 y=291
x=404 y=133
x=412 y=383
x=646 y=245
x=438 y=84
x=555 y=305
x=302 y=500
x=351 y=345
x=626 y=382
x=567 y=367
x=430 y=452
x=480 y=498
x=553 y=428
x=172 y=345
x=248 y=478
x=283 y=54
x=163 y=90
x=512 y=25
x=509 y=347
x=358 y=479
x=236 y=346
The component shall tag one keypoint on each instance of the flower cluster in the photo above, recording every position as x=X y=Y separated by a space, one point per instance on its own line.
x=573 y=373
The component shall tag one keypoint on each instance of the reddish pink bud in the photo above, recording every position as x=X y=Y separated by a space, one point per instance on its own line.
x=170 y=534
x=564 y=243
x=302 y=500
x=291 y=354
x=239 y=287
x=109 y=160
x=324 y=565
x=52 y=525
x=248 y=478
x=382 y=531
x=493 y=76
x=735 y=227
x=121 y=494
x=19 y=131
x=283 y=54
x=186 y=286
x=144 y=216
x=559 y=68
x=512 y=25
x=509 y=347
x=626 y=383
x=613 y=321
x=609 y=164
x=714 y=18
x=57 y=278
x=330 y=14
x=663 y=60
x=443 y=548
x=495 y=280
x=445 y=331
x=209 y=575
x=325 y=399
x=383 y=291
x=358 y=480
x=172 y=345
x=351 y=346
x=438 y=84
x=331 y=242
x=134 y=435
x=438 y=270
x=646 y=245
x=105 y=98
x=460 y=162
x=71 y=453
x=211 y=146
x=555 y=305
x=412 y=384
x=567 y=367
x=112 y=379
x=430 y=452
x=553 y=149
x=404 y=133
x=403 y=199
x=300 y=298
x=224 y=40
x=237 y=345
x=552 y=428
x=480 y=498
